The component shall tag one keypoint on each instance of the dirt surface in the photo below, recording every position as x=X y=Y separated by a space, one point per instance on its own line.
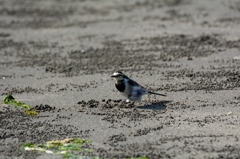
x=58 y=57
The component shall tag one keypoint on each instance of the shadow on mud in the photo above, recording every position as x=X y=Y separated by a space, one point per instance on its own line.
x=155 y=106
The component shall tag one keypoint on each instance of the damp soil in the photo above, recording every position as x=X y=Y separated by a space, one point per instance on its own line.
x=58 y=56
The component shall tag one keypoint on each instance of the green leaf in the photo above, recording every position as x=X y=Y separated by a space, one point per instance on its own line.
x=67 y=147
x=68 y=155
x=29 y=144
x=9 y=99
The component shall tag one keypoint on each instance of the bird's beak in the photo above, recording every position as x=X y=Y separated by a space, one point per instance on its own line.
x=112 y=76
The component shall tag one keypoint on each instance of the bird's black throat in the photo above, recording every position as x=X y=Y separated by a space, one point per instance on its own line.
x=120 y=85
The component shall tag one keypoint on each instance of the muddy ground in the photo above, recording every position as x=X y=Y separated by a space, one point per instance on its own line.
x=58 y=57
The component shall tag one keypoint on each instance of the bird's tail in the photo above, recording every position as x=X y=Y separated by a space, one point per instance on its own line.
x=156 y=93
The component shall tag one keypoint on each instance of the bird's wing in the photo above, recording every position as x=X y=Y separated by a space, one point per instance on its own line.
x=137 y=87
x=133 y=83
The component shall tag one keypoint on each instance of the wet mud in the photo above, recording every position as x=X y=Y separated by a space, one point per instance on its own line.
x=58 y=56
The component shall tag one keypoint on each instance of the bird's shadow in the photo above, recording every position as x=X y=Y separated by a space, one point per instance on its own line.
x=161 y=105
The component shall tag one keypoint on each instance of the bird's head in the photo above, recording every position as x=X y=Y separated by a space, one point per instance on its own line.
x=118 y=75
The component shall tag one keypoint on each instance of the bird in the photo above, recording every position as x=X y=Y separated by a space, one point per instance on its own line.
x=129 y=88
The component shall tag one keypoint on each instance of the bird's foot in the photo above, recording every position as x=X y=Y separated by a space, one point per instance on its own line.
x=128 y=100
x=129 y=103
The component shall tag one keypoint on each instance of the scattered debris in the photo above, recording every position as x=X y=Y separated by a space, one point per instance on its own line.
x=67 y=147
x=27 y=108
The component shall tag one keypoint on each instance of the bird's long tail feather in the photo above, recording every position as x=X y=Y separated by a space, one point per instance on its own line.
x=156 y=93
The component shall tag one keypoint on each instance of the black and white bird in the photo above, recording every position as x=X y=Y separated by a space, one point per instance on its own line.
x=129 y=88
